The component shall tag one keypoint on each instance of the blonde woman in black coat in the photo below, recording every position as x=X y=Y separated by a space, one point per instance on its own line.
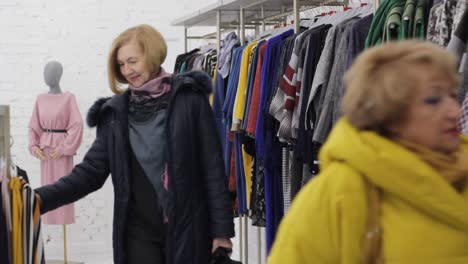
x=158 y=141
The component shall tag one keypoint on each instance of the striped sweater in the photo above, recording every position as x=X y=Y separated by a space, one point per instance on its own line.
x=27 y=244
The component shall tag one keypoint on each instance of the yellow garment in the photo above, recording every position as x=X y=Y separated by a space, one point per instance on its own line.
x=211 y=98
x=453 y=167
x=241 y=94
x=424 y=219
x=247 y=160
x=16 y=185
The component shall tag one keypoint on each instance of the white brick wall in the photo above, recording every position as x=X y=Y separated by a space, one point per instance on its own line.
x=78 y=34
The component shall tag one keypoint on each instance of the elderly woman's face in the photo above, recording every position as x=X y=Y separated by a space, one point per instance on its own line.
x=431 y=119
x=132 y=64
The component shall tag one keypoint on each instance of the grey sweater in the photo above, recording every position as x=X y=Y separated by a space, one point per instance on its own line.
x=147 y=139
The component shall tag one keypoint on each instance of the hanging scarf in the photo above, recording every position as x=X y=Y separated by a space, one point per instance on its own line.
x=154 y=88
x=150 y=98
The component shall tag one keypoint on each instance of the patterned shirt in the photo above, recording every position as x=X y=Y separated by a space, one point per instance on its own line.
x=443 y=20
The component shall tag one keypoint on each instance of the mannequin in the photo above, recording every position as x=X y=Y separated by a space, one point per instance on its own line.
x=52 y=74
x=55 y=134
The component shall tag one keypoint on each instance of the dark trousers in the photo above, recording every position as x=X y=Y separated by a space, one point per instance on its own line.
x=142 y=249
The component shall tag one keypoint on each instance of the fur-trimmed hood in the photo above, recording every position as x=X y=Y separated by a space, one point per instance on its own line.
x=196 y=80
x=92 y=118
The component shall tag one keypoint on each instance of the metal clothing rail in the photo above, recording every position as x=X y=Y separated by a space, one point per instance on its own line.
x=228 y=15
x=5 y=137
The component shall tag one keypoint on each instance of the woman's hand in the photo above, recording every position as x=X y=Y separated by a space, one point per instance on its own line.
x=38 y=198
x=40 y=155
x=221 y=242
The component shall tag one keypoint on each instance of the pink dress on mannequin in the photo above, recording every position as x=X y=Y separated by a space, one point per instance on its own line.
x=56 y=111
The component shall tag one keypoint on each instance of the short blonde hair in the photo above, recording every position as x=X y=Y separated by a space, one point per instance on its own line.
x=380 y=84
x=154 y=49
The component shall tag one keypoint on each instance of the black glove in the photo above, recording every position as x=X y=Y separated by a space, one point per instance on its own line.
x=221 y=256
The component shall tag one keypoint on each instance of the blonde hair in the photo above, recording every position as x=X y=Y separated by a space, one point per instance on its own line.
x=154 y=49
x=380 y=84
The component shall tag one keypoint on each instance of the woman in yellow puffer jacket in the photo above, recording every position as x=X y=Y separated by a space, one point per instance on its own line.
x=393 y=184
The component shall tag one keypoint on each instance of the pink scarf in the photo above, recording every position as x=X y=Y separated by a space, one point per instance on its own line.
x=155 y=86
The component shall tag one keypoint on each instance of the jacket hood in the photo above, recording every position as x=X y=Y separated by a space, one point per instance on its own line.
x=397 y=171
x=93 y=116
x=198 y=81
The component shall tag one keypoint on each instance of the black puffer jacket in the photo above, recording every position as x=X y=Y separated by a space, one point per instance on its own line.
x=199 y=207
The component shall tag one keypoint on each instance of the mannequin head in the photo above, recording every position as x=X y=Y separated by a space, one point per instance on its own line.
x=52 y=74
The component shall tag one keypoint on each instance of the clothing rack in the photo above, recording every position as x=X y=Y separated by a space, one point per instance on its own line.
x=227 y=15
x=5 y=137
x=5 y=156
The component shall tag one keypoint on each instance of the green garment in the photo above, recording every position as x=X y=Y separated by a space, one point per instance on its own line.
x=379 y=21
x=393 y=25
x=407 y=21
x=182 y=68
x=419 y=20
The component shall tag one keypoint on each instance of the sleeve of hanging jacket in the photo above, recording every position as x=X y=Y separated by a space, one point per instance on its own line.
x=239 y=104
x=255 y=102
x=286 y=92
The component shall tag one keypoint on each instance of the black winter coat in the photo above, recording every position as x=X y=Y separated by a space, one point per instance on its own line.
x=199 y=205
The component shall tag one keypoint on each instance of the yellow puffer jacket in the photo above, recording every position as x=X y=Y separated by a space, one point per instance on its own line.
x=424 y=219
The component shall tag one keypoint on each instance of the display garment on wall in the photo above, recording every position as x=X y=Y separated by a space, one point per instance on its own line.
x=56 y=125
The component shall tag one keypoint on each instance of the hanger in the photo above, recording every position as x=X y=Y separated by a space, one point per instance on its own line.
x=348 y=12
x=265 y=34
x=3 y=169
x=273 y=32
x=13 y=169
x=308 y=14
x=280 y=30
x=367 y=9
x=308 y=18
x=206 y=48
x=329 y=19
x=322 y=19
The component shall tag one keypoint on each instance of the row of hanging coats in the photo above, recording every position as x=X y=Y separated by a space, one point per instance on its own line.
x=199 y=59
x=277 y=98
x=20 y=223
